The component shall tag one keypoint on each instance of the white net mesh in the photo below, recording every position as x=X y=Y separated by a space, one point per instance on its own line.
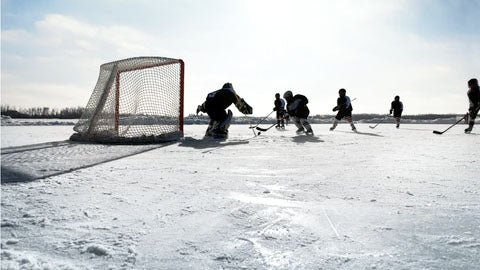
x=135 y=100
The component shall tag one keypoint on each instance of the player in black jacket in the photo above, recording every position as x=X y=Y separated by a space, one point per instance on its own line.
x=280 y=109
x=344 y=108
x=396 y=108
x=297 y=108
x=215 y=106
x=474 y=98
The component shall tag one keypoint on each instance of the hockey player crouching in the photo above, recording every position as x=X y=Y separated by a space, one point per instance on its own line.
x=396 y=108
x=297 y=108
x=344 y=108
x=215 y=106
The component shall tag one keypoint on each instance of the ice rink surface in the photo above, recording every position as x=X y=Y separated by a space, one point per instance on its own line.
x=378 y=199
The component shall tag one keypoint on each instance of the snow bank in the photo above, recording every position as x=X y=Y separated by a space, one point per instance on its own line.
x=8 y=121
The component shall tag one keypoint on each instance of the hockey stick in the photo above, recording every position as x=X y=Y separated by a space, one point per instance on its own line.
x=264 y=129
x=259 y=122
x=385 y=118
x=441 y=132
x=248 y=120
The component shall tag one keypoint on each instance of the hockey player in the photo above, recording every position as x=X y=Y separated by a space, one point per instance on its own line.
x=474 y=98
x=297 y=108
x=396 y=108
x=280 y=109
x=215 y=106
x=344 y=108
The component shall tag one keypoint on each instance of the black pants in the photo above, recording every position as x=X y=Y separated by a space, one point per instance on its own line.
x=473 y=112
x=214 y=112
x=343 y=113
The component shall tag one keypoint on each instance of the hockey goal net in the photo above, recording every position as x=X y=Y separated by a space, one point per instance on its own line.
x=135 y=100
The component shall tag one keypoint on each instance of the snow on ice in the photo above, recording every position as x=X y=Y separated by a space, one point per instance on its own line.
x=377 y=199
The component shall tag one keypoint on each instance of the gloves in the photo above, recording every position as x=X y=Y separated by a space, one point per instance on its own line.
x=243 y=107
x=391 y=111
x=335 y=108
x=274 y=109
x=201 y=108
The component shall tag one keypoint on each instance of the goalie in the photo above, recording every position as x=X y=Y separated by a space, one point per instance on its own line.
x=216 y=104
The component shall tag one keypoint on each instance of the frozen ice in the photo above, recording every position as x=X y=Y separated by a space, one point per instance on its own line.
x=385 y=198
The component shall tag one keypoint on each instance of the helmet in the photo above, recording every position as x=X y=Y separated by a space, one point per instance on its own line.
x=473 y=82
x=288 y=94
x=342 y=90
x=397 y=97
x=277 y=95
x=227 y=85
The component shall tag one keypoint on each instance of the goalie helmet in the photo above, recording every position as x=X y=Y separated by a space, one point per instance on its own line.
x=227 y=85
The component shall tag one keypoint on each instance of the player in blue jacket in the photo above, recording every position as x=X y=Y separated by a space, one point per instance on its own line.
x=344 y=108
x=297 y=108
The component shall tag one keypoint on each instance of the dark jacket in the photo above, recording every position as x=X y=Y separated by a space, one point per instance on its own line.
x=298 y=107
x=220 y=99
x=344 y=104
x=474 y=97
x=396 y=106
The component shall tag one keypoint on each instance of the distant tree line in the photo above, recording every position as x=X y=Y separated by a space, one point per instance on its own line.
x=317 y=119
x=42 y=112
x=76 y=112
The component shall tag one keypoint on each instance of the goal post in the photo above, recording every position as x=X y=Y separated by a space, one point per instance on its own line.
x=135 y=100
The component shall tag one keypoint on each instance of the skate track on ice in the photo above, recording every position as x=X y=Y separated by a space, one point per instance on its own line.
x=408 y=199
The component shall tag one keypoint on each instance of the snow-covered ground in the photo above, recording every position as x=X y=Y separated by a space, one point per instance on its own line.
x=379 y=199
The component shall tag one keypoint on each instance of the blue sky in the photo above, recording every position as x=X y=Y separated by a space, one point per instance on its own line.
x=422 y=50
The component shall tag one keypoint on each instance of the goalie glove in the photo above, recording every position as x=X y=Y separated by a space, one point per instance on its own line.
x=201 y=108
x=243 y=107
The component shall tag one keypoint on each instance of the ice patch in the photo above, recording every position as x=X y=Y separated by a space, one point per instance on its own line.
x=98 y=250
x=8 y=223
x=456 y=241
x=265 y=201
x=21 y=260
x=11 y=242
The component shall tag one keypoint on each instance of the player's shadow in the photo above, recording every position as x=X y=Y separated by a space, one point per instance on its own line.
x=305 y=139
x=362 y=133
x=207 y=143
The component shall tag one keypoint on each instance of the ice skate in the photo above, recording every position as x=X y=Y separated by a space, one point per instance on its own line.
x=220 y=134
x=470 y=127
x=309 y=132
x=300 y=130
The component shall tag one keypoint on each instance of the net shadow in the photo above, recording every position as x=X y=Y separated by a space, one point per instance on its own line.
x=39 y=161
